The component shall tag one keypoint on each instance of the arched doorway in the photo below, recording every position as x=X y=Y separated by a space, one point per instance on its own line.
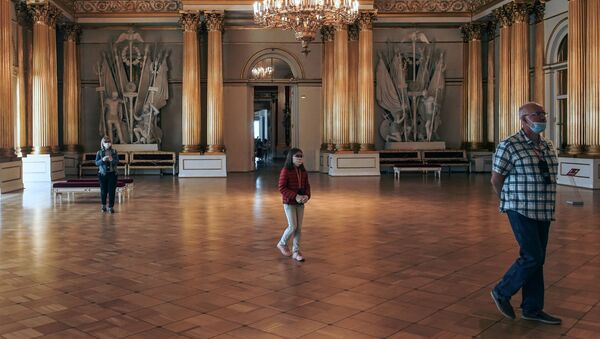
x=556 y=84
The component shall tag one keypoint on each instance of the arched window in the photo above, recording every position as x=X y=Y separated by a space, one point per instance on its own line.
x=561 y=93
x=270 y=68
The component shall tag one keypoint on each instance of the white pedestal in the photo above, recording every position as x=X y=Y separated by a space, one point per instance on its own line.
x=480 y=162
x=11 y=176
x=43 y=168
x=350 y=164
x=196 y=165
x=324 y=162
x=587 y=177
x=416 y=145
x=72 y=163
x=135 y=147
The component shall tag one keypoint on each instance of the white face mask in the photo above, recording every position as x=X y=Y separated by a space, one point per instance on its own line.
x=106 y=145
x=298 y=161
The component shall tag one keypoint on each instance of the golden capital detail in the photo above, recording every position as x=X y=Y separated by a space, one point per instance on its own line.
x=471 y=31
x=189 y=21
x=327 y=33
x=539 y=9
x=45 y=13
x=353 y=32
x=365 y=19
x=503 y=15
x=519 y=11
x=130 y=6
x=71 y=31
x=490 y=28
x=23 y=14
x=214 y=21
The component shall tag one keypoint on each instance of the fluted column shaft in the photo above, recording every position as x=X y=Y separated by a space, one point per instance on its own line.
x=519 y=81
x=327 y=75
x=352 y=83
x=539 y=81
x=6 y=65
x=53 y=83
x=504 y=121
x=366 y=86
x=474 y=124
x=24 y=20
x=340 y=99
x=71 y=89
x=214 y=131
x=491 y=30
x=576 y=76
x=592 y=82
x=190 y=99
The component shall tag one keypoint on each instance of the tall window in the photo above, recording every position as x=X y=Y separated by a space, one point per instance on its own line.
x=561 y=94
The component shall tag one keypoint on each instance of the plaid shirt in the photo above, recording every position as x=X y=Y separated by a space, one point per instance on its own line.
x=524 y=190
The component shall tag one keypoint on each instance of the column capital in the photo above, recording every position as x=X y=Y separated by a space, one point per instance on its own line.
x=503 y=15
x=214 y=21
x=327 y=33
x=45 y=13
x=71 y=31
x=471 y=31
x=341 y=27
x=539 y=9
x=519 y=11
x=353 y=31
x=366 y=18
x=23 y=14
x=189 y=21
x=490 y=28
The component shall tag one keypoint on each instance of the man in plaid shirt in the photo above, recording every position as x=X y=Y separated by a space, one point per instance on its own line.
x=524 y=178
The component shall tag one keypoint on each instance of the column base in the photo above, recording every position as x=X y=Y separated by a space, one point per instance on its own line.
x=366 y=147
x=72 y=159
x=324 y=162
x=587 y=176
x=480 y=161
x=11 y=176
x=574 y=149
x=593 y=150
x=43 y=168
x=197 y=165
x=191 y=149
x=350 y=164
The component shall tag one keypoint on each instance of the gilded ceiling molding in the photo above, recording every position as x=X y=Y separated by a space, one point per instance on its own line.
x=126 y=6
x=430 y=6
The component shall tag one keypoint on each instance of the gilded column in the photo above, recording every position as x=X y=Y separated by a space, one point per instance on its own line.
x=6 y=65
x=190 y=105
x=539 y=81
x=592 y=95
x=504 y=123
x=23 y=145
x=366 y=84
x=327 y=33
x=474 y=117
x=352 y=83
x=576 y=76
x=340 y=99
x=42 y=138
x=71 y=88
x=519 y=78
x=491 y=33
x=214 y=121
x=52 y=56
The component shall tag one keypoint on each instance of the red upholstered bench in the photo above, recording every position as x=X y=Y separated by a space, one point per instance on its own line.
x=126 y=180
x=70 y=188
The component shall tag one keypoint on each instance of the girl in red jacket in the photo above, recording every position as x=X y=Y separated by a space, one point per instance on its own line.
x=295 y=191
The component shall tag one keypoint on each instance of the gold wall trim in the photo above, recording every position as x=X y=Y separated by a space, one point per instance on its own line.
x=130 y=6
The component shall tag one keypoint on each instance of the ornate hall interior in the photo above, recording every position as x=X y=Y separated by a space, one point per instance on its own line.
x=203 y=100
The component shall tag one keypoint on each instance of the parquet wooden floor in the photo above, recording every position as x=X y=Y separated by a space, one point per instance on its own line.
x=197 y=258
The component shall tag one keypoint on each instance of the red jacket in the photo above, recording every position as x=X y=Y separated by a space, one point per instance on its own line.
x=289 y=184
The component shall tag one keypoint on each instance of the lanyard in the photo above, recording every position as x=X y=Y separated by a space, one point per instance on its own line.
x=299 y=176
x=539 y=153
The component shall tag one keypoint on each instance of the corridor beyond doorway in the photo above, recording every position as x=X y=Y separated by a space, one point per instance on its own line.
x=271 y=125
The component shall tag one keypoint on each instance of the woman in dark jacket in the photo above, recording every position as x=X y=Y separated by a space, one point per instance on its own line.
x=295 y=191
x=107 y=160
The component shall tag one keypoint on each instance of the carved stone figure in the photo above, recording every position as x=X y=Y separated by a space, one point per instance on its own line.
x=146 y=129
x=114 y=116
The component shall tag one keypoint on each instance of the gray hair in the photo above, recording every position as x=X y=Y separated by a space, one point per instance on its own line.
x=523 y=109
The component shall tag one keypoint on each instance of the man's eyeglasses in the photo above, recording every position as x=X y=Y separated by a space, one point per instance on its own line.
x=539 y=114
x=545 y=171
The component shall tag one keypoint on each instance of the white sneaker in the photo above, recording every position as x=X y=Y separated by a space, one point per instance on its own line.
x=298 y=256
x=284 y=250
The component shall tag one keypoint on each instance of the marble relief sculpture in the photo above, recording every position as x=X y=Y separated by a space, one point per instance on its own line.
x=133 y=89
x=410 y=88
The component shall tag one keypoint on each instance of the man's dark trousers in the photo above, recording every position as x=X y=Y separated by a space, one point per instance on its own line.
x=527 y=272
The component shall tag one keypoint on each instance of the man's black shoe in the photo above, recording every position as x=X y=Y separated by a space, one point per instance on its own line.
x=504 y=306
x=542 y=317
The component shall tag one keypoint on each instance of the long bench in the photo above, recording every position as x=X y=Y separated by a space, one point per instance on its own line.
x=70 y=188
x=88 y=162
x=424 y=168
x=153 y=160
x=447 y=158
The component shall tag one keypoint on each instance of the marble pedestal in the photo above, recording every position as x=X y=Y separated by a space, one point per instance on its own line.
x=324 y=162
x=11 y=176
x=480 y=161
x=351 y=164
x=588 y=175
x=43 y=168
x=197 y=165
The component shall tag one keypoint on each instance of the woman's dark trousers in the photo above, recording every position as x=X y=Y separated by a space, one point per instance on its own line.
x=108 y=186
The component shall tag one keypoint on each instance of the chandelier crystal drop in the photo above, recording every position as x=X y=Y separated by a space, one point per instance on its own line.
x=305 y=17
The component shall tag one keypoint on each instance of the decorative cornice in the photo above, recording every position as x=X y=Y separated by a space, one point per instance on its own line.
x=353 y=32
x=539 y=9
x=430 y=6
x=365 y=19
x=87 y=7
x=471 y=31
x=71 y=31
x=327 y=33
x=214 y=21
x=189 y=21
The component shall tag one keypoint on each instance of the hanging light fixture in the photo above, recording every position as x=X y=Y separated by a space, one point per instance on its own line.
x=305 y=17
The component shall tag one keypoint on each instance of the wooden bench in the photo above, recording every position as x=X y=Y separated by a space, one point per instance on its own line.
x=88 y=162
x=153 y=160
x=424 y=168
x=447 y=158
x=70 y=188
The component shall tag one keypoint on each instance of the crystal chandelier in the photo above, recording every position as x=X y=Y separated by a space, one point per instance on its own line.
x=305 y=17
x=262 y=72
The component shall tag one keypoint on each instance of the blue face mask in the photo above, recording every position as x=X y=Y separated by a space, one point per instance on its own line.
x=537 y=127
